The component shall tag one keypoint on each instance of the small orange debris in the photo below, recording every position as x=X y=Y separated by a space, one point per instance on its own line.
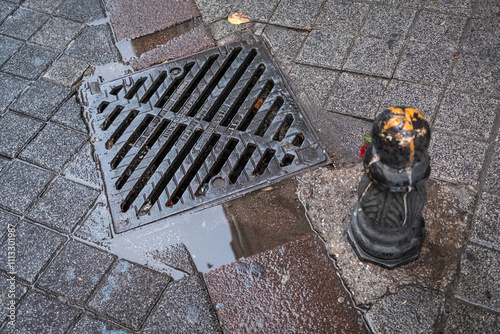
x=259 y=103
x=238 y=18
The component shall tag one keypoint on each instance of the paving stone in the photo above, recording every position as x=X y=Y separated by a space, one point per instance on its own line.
x=357 y=95
x=41 y=99
x=128 y=293
x=7 y=47
x=83 y=168
x=5 y=9
x=345 y=18
x=374 y=56
x=76 y=271
x=402 y=93
x=30 y=61
x=455 y=158
x=23 y=23
x=149 y=16
x=403 y=3
x=63 y=205
x=10 y=291
x=15 y=132
x=70 y=114
x=457 y=115
x=283 y=290
x=66 y=70
x=214 y=10
x=256 y=10
x=424 y=64
x=46 y=6
x=20 y=184
x=479 y=280
x=35 y=246
x=324 y=49
x=53 y=146
x=485 y=229
x=296 y=13
x=285 y=43
x=467 y=319
x=7 y=220
x=409 y=311
x=81 y=10
x=184 y=307
x=10 y=87
x=95 y=45
x=463 y=7
x=41 y=314
x=482 y=37
x=88 y=324
x=176 y=256
x=312 y=84
x=487 y=8
x=492 y=180
x=438 y=28
x=222 y=28
x=96 y=226
x=388 y=22
x=477 y=74
x=57 y=33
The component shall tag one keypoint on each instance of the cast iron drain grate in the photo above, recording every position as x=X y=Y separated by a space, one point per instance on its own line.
x=195 y=131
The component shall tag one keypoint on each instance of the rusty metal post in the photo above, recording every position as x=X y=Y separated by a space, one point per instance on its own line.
x=387 y=227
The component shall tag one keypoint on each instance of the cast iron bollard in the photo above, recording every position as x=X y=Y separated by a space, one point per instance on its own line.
x=387 y=227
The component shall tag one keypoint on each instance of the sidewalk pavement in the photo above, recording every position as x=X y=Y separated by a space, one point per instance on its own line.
x=347 y=61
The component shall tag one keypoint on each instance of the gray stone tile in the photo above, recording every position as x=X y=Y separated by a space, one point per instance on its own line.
x=176 y=256
x=53 y=146
x=455 y=158
x=222 y=30
x=41 y=314
x=476 y=74
x=7 y=47
x=88 y=324
x=482 y=37
x=256 y=10
x=23 y=23
x=285 y=44
x=403 y=3
x=312 y=84
x=30 y=61
x=63 y=205
x=467 y=319
x=96 y=227
x=10 y=88
x=57 y=33
x=214 y=10
x=457 y=114
x=35 y=246
x=357 y=95
x=7 y=221
x=20 y=184
x=424 y=64
x=402 y=93
x=374 y=56
x=487 y=8
x=95 y=45
x=15 y=132
x=438 y=28
x=6 y=9
x=46 y=6
x=385 y=21
x=463 y=7
x=83 y=168
x=409 y=311
x=485 y=227
x=70 y=114
x=479 y=280
x=492 y=180
x=325 y=49
x=184 y=307
x=345 y=18
x=75 y=271
x=81 y=10
x=128 y=293
x=66 y=70
x=41 y=99
x=296 y=13
x=11 y=291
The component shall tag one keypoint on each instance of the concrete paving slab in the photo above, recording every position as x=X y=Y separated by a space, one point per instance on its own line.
x=184 y=308
x=482 y=37
x=148 y=16
x=487 y=8
x=7 y=48
x=296 y=13
x=75 y=272
x=492 y=181
x=342 y=17
x=463 y=7
x=35 y=246
x=176 y=256
x=57 y=33
x=63 y=205
x=261 y=10
x=479 y=281
x=312 y=84
x=96 y=226
x=46 y=6
x=214 y=10
x=403 y=3
x=83 y=168
x=70 y=114
x=222 y=29
x=53 y=146
x=127 y=293
x=66 y=70
x=325 y=49
x=285 y=44
x=20 y=185
x=10 y=294
x=7 y=220
x=15 y=132
x=6 y=8
x=283 y=290
x=30 y=61
x=466 y=319
x=23 y=23
x=81 y=10
x=388 y=22
x=10 y=88
x=89 y=324
x=438 y=29
x=485 y=228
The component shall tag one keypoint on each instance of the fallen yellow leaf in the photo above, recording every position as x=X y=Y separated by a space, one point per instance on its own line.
x=267 y=189
x=238 y=18
x=442 y=24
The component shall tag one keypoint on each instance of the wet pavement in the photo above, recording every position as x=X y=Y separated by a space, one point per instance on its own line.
x=254 y=264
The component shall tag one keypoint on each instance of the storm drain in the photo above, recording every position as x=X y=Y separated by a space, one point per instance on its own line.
x=196 y=131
